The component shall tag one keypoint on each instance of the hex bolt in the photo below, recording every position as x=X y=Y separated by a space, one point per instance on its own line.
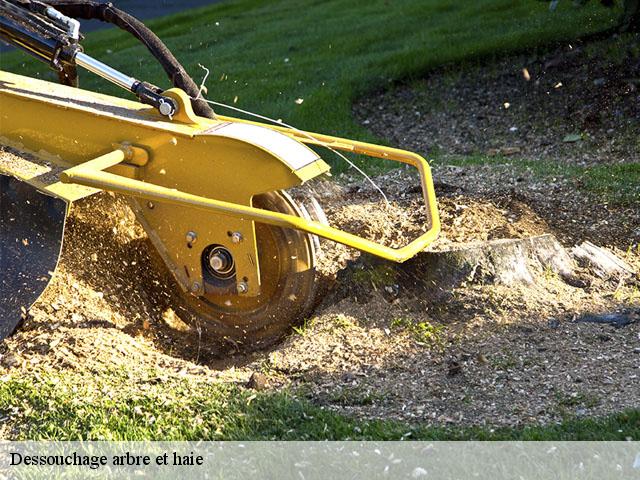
x=243 y=287
x=195 y=288
x=150 y=205
x=236 y=237
x=191 y=237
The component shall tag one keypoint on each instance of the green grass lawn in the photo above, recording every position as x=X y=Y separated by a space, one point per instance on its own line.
x=120 y=406
x=263 y=57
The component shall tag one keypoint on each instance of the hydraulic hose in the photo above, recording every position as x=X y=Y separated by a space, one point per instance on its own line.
x=106 y=12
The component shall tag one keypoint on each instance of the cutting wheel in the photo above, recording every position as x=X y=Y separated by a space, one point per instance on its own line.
x=288 y=287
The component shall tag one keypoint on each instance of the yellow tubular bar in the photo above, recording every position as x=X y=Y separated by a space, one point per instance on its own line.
x=91 y=174
x=378 y=151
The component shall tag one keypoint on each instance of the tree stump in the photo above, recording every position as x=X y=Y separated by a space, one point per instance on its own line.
x=432 y=273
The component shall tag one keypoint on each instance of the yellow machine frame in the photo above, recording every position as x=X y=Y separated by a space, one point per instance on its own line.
x=182 y=168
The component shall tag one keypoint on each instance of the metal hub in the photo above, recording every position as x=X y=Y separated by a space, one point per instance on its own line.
x=220 y=262
x=287 y=291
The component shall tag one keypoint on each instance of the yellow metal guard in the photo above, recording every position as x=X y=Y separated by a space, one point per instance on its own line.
x=92 y=174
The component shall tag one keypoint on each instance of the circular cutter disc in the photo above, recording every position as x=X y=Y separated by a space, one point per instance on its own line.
x=31 y=229
x=287 y=272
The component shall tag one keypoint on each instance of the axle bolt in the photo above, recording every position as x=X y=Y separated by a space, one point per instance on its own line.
x=216 y=262
x=236 y=237
x=242 y=287
x=221 y=262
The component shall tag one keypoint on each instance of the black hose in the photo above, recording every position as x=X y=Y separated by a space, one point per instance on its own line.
x=106 y=12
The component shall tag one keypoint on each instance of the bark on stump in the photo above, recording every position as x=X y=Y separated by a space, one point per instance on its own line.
x=506 y=262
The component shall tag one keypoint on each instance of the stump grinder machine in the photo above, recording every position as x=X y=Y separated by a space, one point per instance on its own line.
x=209 y=190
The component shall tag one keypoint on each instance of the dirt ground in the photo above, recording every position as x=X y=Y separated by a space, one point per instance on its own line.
x=483 y=354
x=579 y=103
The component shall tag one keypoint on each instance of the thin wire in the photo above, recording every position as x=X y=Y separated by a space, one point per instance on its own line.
x=202 y=87
x=280 y=122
